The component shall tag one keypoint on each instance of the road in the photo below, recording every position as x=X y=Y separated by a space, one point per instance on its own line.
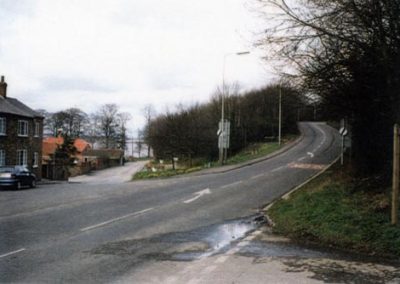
x=114 y=175
x=181 y=230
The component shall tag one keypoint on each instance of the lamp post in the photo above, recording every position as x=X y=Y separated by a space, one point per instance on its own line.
x=221 y=131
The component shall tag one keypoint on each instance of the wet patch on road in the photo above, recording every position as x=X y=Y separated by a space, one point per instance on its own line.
x=184 y=246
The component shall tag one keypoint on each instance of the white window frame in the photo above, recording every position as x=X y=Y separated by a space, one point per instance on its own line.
x=37 y=129
x=3 y=126
x=35 y=159
x=2 y=158
x=23 y=130
x=22 y=160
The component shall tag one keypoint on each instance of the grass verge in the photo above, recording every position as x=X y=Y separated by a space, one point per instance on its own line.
x=332 y=211
x=253 y=151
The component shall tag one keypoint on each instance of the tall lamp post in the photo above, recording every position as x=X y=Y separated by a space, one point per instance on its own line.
x=222 y=136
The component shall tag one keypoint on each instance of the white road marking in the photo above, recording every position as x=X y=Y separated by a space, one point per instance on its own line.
x=310 y=154
x=306 y=166
x=277 y=169
x=198 y=195
x=232 y=184
x=116 y=219
x=11 y=253
x=323 y=138
x=257 y=176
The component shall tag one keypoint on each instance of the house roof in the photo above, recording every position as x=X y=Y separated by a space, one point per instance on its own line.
x=50 y=144
x=81 y=145
x=14 y=106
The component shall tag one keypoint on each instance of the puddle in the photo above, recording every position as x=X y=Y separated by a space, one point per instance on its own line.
x=184 y=246
x=221 y=238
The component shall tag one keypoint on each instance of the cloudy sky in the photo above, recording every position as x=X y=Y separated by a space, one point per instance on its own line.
x=85 y=53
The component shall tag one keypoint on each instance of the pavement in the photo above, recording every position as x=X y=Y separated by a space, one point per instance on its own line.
x=191 y=229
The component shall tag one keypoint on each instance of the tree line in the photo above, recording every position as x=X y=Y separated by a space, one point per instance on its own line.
x=191 y=132
x=107 y=125
x=347 y=54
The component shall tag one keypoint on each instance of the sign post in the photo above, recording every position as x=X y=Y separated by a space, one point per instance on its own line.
x=343 y=132
x=223 y=139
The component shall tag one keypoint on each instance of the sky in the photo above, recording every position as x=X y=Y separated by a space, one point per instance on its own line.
x=86 y=53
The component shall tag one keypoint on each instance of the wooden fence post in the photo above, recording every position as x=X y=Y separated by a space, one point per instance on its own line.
x=396 y=173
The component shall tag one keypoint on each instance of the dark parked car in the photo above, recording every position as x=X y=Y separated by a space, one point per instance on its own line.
x=16 y=177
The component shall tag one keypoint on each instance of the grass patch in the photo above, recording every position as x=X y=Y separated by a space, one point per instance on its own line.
x=251 y=152
x=329 y=211
x=163 y=174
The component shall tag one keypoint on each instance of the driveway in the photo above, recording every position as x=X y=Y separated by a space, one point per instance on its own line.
x=112 y=175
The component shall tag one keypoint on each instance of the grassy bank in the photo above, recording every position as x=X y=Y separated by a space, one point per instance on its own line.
x=332 y=210
x=254 y=151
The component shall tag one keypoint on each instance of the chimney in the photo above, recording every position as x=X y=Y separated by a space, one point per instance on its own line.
x=3 y=87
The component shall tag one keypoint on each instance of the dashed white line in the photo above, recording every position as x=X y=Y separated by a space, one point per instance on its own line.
x=277 y=169
x=257 y=176
x=231 y=184
x=116 y=220
x=11 y=253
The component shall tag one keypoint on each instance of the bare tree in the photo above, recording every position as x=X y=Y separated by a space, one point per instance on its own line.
x=148 y=112
x=108 y=118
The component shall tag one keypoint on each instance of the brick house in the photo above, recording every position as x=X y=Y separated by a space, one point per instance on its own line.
x=21 y=133
x=50 y=145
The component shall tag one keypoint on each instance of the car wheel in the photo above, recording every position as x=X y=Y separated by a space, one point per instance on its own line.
x=33 y=183
x=18 y=186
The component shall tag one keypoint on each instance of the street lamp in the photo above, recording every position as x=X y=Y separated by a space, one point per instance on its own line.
x=221 y=132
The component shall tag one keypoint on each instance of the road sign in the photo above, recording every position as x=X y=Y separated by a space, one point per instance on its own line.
x=224 y=134
x=343 y=131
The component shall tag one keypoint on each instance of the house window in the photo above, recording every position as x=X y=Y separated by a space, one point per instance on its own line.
x=2 y=158
x=35 y=159
x=22 y=157
x=22 y=128
x=37 y=129
x=2 y=126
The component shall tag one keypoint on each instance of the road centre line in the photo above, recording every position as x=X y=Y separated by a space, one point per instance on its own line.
x=231 y=184
x=277 y=169
x=12 y=252
x=116 y=219
x=257 y=176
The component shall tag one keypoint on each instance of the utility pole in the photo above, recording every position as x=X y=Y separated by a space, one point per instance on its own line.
x=396 y=168
x=280 y=117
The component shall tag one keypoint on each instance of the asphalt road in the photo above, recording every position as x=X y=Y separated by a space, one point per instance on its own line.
x=103 y=232
x=114 y=175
